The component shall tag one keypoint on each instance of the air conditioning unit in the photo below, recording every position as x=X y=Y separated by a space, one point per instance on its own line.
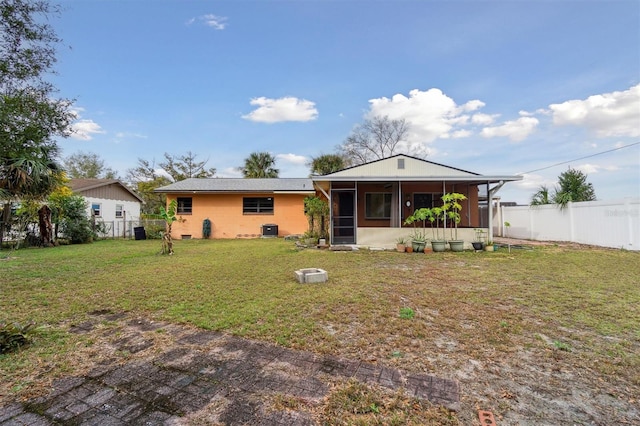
x=270 y=231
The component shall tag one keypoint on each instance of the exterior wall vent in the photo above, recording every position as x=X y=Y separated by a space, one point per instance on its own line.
x=270 y=230
x=400 y=163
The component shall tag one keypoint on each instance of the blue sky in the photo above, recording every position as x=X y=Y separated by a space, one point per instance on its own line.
x=494 y=87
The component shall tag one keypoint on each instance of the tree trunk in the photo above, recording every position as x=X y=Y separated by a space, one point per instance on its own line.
x=5 y=220
x=46 y=227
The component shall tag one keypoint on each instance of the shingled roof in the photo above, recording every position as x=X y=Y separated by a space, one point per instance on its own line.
x=244 y=185
x=81 y=186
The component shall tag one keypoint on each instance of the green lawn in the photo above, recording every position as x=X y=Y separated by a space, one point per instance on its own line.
x=585 y=301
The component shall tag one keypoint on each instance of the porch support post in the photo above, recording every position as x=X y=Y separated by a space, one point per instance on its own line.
x=318 y=187
x=491 y=192
x=444 y=222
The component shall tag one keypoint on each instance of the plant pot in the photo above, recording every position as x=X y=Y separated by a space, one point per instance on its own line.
x=488 y=248
x=427 y=249
x=418 y=246
x=400 y=248
x=409 y=249
x=477 y=245
x=438 y=246
x=456 y=245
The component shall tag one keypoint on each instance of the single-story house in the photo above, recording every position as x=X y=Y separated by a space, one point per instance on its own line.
x=239 y=208
x=108 y=200
x=368 y=203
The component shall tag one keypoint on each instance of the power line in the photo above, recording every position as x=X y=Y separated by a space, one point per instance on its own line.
x=581 y=158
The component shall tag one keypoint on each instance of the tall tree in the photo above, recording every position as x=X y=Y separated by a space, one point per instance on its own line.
x=374 y=139
x=87 y=165
x=30 y=114
x=573 y=187
x=259 y=165
x=144 y=178
x=327 y=163
x=181 y=167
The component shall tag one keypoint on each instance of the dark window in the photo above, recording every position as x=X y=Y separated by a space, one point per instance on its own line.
x=257 y=205
x=377 y=205
x=96 y=208
x=426 y=200
x=185 y=205
x=119 y=210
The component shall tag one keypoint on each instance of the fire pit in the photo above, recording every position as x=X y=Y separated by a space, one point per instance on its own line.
x=311 y=275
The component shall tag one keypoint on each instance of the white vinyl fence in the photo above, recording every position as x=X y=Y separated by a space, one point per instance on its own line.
x=601 y=223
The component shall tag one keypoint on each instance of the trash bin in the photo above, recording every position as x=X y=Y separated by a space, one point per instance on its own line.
x=139 y=233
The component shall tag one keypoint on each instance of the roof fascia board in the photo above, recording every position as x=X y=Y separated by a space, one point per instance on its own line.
x=478 y=178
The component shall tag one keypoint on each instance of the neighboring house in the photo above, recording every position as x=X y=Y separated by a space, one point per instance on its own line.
x=109 y=201
x=239 y=208
x=368 y=203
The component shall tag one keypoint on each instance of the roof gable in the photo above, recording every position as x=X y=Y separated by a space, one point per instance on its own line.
x=399 y=166
x=104 y=188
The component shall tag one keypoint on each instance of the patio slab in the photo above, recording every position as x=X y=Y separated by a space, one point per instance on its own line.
x=206 y=375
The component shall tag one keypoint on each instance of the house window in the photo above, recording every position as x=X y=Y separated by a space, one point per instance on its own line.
x=185 y=205
x=119 y=210
x=426 y=200
x=257 y=205
x=96 y=209
x=400 y=163
x=377 y=205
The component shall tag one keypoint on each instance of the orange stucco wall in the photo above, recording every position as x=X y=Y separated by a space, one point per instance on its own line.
x=227 y=220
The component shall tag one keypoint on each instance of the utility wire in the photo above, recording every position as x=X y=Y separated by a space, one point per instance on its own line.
x=581 y=158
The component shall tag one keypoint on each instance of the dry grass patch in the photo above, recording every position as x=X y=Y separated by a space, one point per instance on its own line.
x=552 y=330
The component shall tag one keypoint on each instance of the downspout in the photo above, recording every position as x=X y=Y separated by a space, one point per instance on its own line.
x=491 y=192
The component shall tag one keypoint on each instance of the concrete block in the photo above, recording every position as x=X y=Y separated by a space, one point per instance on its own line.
x=311 y=275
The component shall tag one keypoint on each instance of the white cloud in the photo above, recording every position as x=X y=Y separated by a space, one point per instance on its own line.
x=85 y=129
x=533 y=182
x=430 y=115
x=458 y=134
x=588 y=168
x=283 y=109
x=229 y=172
x=122 y=135
x=484 y=119
x=292 y=158
x=515 y=130
x=210 y=20
x=610 y=114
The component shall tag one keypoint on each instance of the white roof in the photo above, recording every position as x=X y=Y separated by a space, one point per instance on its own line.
x=406 y=168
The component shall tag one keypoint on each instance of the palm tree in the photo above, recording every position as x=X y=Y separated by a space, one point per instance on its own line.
x=573 y=187
x=259 y=165
x=327 y=163
x=541 y=197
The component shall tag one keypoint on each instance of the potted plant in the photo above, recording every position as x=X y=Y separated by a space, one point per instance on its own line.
x=478 y=244
x=418 y=238
x=452 y=207
x=437 y=245
x=418 y=241
x=489 y=246
x=401 y=244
